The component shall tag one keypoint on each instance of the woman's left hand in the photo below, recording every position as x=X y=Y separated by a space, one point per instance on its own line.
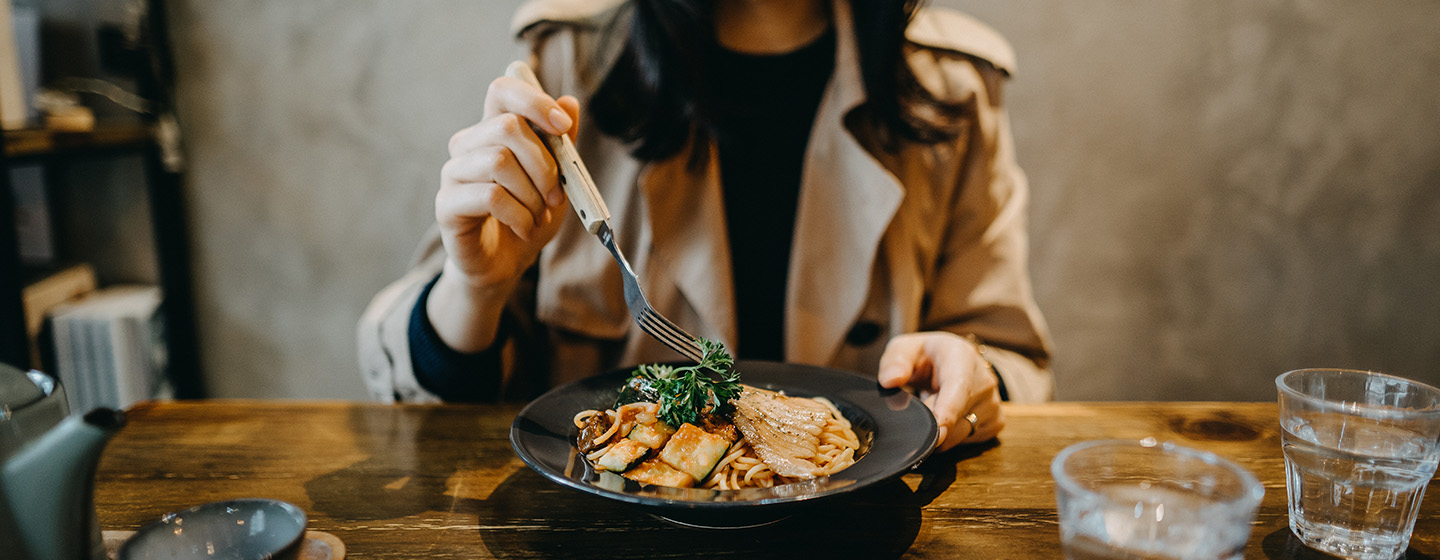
x=951 y=378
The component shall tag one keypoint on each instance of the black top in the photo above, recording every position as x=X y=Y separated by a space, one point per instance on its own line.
x=765 y=107
x=768 y=103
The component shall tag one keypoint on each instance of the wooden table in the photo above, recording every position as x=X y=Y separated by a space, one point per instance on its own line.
x=442 y=482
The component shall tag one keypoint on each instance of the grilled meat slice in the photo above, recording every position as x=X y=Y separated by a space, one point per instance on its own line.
x=784 y=431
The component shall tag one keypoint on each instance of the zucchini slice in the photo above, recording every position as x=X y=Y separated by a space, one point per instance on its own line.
x=694 y=451
x=657 y=473
x=652 y=435
x=622 y=455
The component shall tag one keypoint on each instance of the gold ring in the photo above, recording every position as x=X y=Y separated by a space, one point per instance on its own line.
x=974 y=423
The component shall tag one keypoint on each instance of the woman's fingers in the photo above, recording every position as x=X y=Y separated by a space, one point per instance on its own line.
x=500 y=197
x=967 y=386
x=952 y=380
x=903 y=362
x=468 y=201
x=571 y=105
x=990 y=419
x=513 y=133
x=511 y=107
x=509 y=95
x=953 y=387
x=497 y=164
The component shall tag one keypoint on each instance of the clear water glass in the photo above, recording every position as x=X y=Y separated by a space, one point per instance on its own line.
x=1359 y=449
x=1123 y=499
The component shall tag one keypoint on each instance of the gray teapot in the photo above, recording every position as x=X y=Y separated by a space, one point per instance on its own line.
x=47 y=469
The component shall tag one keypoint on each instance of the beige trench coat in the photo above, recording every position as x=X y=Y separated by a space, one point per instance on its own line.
x=929 y=237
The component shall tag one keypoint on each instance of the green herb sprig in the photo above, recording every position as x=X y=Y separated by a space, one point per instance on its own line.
x=686 y=392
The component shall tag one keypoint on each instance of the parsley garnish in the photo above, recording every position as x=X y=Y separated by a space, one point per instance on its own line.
x=686 y=392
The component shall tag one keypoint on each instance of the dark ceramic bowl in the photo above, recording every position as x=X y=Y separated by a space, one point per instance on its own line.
x=896 y=433
x=245 y=529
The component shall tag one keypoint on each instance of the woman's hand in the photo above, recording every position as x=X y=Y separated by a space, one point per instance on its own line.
x=500 y=194
x=951 y=378
x=499 y=203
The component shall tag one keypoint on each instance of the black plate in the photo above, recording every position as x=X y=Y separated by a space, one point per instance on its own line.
x=896 y=433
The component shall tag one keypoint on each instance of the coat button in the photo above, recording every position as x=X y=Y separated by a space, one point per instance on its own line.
x=863 y=333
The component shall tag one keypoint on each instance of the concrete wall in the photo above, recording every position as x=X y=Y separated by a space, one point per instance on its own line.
x=1222 y=190
x=316 y=130
x=1226 y=190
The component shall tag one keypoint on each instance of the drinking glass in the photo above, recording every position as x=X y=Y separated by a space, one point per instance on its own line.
x=1359 y=449
x=1123 y=499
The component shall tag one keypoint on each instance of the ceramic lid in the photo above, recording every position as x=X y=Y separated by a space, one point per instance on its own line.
x=18 y=389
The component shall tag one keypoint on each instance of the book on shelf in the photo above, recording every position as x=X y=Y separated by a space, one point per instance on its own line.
x=41 y=296
x=108 y=349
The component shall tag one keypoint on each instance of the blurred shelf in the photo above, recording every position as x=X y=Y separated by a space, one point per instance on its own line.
x=39 y=143
x=154 y=76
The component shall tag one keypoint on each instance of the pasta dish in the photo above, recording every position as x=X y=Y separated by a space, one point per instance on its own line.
x=681 y=427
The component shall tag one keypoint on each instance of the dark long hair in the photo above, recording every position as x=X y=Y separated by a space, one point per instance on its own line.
x=656 y=96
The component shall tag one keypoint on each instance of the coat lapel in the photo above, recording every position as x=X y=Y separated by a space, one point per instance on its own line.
x=686 y=211
x=847 y=199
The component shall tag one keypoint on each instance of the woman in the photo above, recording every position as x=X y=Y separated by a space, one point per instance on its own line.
x=825 y=182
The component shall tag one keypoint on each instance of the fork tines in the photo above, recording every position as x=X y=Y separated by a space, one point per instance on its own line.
x=668 y=333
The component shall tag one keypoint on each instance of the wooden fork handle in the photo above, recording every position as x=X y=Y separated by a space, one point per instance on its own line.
x=574 y=178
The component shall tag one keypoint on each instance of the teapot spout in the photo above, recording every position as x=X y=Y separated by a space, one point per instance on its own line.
x=48 y=487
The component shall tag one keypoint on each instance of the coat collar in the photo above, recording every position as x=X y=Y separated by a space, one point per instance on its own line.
x=847 y=199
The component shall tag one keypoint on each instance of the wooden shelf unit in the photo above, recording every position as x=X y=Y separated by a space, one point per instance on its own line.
x=164 y=187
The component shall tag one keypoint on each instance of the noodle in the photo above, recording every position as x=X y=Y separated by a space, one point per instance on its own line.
x=614 y=427
x=741 y=467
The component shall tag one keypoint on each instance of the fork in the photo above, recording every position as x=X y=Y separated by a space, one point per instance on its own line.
x=594 y=215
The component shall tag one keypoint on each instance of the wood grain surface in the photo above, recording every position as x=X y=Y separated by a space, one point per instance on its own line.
x=442 y=482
